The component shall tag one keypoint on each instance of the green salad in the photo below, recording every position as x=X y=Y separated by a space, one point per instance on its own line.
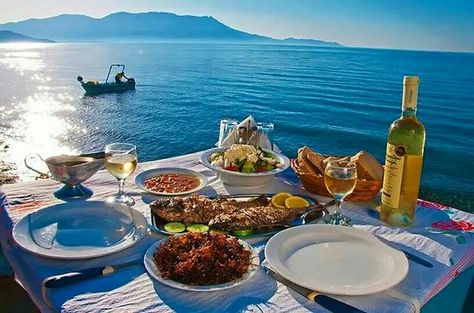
x=245 y=159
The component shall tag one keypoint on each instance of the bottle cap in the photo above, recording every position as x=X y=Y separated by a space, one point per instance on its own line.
x=410 y=91
x=411 y=80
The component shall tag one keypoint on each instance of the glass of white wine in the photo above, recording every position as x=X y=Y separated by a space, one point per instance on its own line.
x=121 y=162
x=340 y=178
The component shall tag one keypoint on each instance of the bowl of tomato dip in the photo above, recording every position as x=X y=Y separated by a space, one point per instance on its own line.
x=170 y=181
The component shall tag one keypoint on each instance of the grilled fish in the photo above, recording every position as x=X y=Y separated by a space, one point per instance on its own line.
x=224 y=214
x=255 y=218
x=200 y=209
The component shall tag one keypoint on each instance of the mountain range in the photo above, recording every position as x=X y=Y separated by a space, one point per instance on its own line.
x=8 y=36
x=151 y=26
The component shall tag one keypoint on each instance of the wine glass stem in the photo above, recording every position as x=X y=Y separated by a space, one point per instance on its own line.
x=121 y=183
x=338 y=205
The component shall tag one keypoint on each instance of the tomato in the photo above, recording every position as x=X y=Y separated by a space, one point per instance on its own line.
x=232 y=168
x=260 y=169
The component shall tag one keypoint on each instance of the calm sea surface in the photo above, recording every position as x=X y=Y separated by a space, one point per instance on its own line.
x=336 y=100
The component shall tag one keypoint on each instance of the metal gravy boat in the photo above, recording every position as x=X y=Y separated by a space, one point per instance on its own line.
x=69 y=170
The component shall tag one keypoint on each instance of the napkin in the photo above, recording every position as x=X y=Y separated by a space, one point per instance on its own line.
x=249 y=122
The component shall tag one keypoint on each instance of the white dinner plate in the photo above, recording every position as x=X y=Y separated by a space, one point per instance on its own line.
x=335 y=259
x=143 y=176
x=155 y=273
x=80 y=229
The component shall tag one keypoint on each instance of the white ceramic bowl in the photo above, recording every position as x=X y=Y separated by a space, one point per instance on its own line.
x=244 y=179
x=143 y=176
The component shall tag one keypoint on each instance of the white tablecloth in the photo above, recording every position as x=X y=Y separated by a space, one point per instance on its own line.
x=441 y=235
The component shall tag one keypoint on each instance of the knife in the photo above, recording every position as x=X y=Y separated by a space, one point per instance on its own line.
x=416 y=259
x=67 y=279
x=325 y=301
x=63 y=280
x=314 y=212
x=410 y=256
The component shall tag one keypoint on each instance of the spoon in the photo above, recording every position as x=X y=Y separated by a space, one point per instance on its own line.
x=314 y=212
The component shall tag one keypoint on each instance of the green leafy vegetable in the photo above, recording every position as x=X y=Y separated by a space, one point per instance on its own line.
x=215 y=155
x=268 y=154
x=240 y=163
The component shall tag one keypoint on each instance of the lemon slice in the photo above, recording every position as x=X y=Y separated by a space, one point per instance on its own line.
x=278 y=200
x=295 y=202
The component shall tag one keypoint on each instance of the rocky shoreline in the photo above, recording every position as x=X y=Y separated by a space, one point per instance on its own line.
x=7 y=170
x=7 y=173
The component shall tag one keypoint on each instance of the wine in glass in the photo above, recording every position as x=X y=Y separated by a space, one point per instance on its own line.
x=340 y=178
x=121 y=161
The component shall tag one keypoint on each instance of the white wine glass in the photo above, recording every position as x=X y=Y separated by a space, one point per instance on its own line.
x=121 y=162
x=340 y=178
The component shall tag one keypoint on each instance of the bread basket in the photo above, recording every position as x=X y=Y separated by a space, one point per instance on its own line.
x=313 y=181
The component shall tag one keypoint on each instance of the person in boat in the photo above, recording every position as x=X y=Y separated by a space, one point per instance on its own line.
x=119 y=77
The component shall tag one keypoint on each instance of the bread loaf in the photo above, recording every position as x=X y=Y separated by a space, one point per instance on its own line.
x=317 y=160
x=367 y=166
x=305 y=164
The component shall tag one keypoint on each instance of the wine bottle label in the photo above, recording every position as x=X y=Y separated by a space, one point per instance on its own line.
x=393 y=173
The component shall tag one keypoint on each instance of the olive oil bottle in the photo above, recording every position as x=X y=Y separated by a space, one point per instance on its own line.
x=403 y=161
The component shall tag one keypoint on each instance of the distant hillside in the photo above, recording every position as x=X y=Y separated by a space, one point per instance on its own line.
x=124 y=26
x=313 y=42
x=8 y=36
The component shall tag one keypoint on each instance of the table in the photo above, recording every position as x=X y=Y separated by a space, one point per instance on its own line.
x=441 y=235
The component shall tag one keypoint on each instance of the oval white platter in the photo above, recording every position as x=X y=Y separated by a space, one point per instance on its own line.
x=335 y=259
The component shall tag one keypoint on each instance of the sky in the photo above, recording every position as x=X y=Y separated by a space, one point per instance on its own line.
x=400 y=24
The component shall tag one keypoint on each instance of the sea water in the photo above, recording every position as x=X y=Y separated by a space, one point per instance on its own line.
x=335 y=100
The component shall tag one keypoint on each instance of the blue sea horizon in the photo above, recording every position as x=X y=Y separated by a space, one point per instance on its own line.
x=337 y=100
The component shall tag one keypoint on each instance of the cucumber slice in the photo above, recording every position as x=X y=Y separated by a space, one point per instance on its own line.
x=175 y=227
x=243 y=232
x=198 y=228
x=270 y=167
x=248 y=167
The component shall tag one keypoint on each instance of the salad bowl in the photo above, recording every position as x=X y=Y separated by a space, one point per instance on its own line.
x=238 y=178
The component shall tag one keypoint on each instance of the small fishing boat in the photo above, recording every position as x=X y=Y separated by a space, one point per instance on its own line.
x=93 y=87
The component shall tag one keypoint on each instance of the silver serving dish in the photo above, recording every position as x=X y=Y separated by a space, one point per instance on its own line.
x=69 y=170
x=315 y=213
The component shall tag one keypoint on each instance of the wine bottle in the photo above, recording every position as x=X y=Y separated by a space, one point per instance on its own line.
x=403 y=161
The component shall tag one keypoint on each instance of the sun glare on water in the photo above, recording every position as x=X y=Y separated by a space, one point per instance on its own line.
x=37 y=118
x=21 y=57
